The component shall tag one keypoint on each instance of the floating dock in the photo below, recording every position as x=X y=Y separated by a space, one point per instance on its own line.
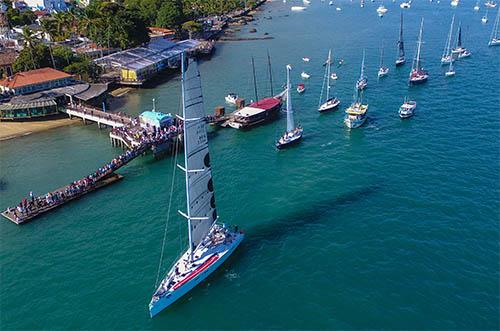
x=13 y=217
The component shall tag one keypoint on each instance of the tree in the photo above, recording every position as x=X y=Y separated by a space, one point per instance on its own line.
x=190 y=27
x=37 y=56
x=84 y=68
x=170 y=15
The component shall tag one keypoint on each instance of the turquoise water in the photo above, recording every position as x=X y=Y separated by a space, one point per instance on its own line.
x=390 y=226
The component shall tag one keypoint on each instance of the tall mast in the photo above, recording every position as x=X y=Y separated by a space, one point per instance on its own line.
x=186 y=140
x=400 y=41
x=494 y=32
x=328 y=70
x=270 y=73
x=459 y=40
x=417 y=64
x=447 y=47
x=254 y=81
x=362 y=66
x=289 y=111
x=382 y=55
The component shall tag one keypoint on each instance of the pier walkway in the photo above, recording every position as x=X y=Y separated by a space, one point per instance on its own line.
x=114 y=120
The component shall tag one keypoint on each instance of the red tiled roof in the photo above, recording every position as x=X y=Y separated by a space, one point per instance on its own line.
x=31 y=77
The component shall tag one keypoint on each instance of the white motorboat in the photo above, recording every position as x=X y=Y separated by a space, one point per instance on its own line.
x=490 y=4
x=305 y=75
x=407 y=109
x=298 y=8
x=381 y=10
x=306 y=59
x=231 y=98
x=405 y=5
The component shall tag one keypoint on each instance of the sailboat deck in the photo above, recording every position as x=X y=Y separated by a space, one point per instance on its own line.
x=357 y=109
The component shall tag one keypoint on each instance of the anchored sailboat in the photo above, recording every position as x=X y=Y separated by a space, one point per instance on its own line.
x=459 y=49
x=451 y=70
x=494 y=38
x=383 y=70
x=417 y=74
x=292 y=134
x=362 y=81
x=401 y=48
x=356 y=113
x=329 y=103
x=210 y=244
x=447 y=56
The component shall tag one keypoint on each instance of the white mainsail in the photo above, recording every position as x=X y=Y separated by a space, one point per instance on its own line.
x=447 y=47
x=201 y=213
x=290 y=126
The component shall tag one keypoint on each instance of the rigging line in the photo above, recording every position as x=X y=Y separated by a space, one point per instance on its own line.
x=168 y=211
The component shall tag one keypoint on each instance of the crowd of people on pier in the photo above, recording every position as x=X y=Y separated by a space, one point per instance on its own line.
x=136 y=135
x=28 y=207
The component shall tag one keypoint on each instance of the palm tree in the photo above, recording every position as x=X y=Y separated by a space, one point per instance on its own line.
x=30 y=41
x=48 y=28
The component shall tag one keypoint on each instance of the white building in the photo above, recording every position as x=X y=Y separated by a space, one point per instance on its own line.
x=51 y=5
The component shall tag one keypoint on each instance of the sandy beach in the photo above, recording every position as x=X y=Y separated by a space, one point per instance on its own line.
x=10 y=130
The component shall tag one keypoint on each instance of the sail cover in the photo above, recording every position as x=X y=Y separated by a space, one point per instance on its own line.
x=199 y=185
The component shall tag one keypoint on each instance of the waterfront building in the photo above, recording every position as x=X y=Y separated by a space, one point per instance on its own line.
x=35 y=80
x=137 y=65
x=155 y=119
x=50 y=5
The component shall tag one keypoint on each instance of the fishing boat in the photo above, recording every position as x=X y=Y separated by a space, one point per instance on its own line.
x=328 y=103
x=490 y=4
x=210 y=243
x=459 y=50
x=231 y=98
x=405 y=5
x=306 y=59
x=476 y=7
x=382 y=70
x=301 y=88
x=260 y=111
x=447 y=56
x=417 y=74
x=484 y=19
x=362 y=81
x=305 y=75
x=400 y=60
x=494 y=38
x=381 y=10
x=407 y=109
x=293 y=133
x=356 y=114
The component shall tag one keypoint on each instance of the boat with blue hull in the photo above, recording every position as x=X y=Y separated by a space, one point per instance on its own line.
x=210 y=243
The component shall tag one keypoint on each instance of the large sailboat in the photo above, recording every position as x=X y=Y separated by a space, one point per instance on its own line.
x=362 y=81
x=460 y=50
x=328 y=103
x=293 y=133
x=418 y=75
x=447 y=56
x=494 y=38
x=259 y=111
x=210 y=243
x=356 y=114
x=400 y=60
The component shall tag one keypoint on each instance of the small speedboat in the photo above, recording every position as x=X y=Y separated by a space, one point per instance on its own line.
x=231 y=98
x=306 y=2
x=301 y=88
x=405 y=5
x=329 y=105
x=382 y=72
x=407 y=109
x=449 y=73
x=484 y=19
x=334 y=76
x=454 y=3
x=476 y=8
x=290 y=138
x=306 y=59
x=305 y=75
x=298 y=8
x=338 y=9
x=381 y=10
x=330 y=3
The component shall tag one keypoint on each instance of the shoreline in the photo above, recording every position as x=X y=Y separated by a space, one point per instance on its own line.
x=12 y=130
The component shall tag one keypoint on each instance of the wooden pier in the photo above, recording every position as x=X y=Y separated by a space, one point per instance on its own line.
x=13 y=217
x=98 y=116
